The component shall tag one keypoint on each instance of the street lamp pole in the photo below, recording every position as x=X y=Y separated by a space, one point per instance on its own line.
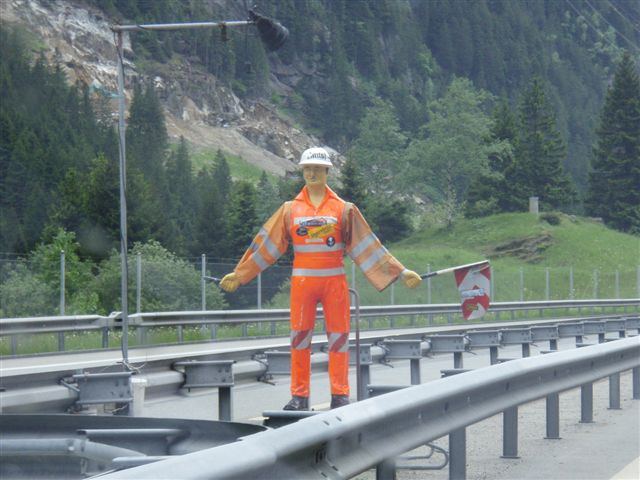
x=272 y=34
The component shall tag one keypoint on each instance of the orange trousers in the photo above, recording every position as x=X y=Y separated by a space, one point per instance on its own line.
x=333 y=294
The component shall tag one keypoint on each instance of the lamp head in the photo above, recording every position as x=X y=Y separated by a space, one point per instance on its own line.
x=272 y=33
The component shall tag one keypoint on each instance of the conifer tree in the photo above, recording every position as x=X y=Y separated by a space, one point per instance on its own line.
x=539 y=152
x=353 y=189
x=241 y=218
x=614 y=181
x=268 y=199
x=213 y=186
x=183 y=200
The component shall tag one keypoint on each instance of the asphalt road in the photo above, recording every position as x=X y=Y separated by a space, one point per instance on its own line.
x=606 y=449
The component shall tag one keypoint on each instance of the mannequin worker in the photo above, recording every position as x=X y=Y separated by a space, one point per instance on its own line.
x=321 y=227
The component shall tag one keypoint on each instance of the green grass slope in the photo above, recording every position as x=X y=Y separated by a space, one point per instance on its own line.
x=522 y=248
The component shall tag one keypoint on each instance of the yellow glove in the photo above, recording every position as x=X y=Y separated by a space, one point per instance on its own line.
x=411 y=279
x=230 y=282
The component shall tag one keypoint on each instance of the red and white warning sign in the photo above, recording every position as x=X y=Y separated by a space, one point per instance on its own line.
x=474 y=285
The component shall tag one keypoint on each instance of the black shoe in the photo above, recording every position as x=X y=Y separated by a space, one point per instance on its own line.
x=297 y=403
x=338 y=401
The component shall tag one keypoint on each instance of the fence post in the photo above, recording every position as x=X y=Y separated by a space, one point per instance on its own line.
x=259 y=300
x=493 y=285
x=62 y=284
x=393 y=293
x=521 y=284
x=547 y=291
x=62 y=299
x=138 y=282
x=429 y=285
x=140 y=331
x=353 y=274
x=571 y=294
x=203 y=286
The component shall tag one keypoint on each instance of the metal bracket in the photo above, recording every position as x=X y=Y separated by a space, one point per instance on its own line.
x=483 y=338
x=207 y=373
x=447 y=343
x=403 y=349
x=98 y=388
x=570 y=329
x=544 y=333
x=514 y=336
x=365 y=354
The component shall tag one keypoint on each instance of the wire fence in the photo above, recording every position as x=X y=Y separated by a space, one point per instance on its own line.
x=27 y=289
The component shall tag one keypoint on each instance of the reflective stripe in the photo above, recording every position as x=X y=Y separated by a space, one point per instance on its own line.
x=301 y=339
x=317 y=272
x=375 y=256
x=271 y=248
x=362 y=246
x=259 y=259
x=318 y=248
x=254 y=245
x=329 y=220
x=338 y=342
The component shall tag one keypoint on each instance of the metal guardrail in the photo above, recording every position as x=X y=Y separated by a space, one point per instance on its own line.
x=29 y=325
x=344 y=442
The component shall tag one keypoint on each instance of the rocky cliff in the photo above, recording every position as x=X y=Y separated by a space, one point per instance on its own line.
x=196 y=105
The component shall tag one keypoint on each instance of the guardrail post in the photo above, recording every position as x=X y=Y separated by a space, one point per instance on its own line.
x=393 y=293
x=386 y=470
x=510 y=433
x=180 y=334
x=493 y=355
x=429 y=284
x=209 y=374
x=635 y=378
x=415 y=371
x=458 y=454
x=586 y=403
x=614 y=391
x=553 y=416
x=105 y=337
x=457 y=359
x=617 y=284
x=14 y=344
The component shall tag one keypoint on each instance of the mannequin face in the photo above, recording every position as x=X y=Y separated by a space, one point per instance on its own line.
x=315 y=175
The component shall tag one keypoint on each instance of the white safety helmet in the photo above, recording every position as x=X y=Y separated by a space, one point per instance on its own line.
x=315 y=156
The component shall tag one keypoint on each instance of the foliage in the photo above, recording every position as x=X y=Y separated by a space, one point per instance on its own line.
x=540 y=151
x=379 y=146
x=614 y=192
x=353 y=188
x=456 y=149
x=169 y=283
x=24 y=294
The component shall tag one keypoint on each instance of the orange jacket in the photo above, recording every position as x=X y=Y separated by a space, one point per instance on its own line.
x=320 y=236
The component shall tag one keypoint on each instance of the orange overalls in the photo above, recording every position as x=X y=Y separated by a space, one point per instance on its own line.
x=318 y=277
x=320 y=236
